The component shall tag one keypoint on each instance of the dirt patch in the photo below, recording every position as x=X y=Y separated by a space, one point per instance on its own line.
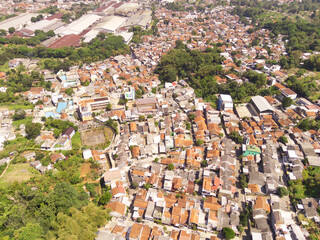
x=108 y=133
x=97 y=138
x=85 y=170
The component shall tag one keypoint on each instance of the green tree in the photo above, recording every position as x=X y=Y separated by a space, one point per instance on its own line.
x=3 y=32
x=69 y=91
x=240 y=229
x=19 y=114
x=64 y=196
x=286 y=102
x=170 y=167
x=283 y=139
x=30 y=231
x=81 y=224
x=228 y=233
x=243 y=219
x=142 y=118
x=282 y=191
x=109 y=107
x=122 y=101
x=243 y=181
x=135 y=185
x=199 y=142
x=147 y=186
x=154 y=90
x=192 y=116
x=204 y=163
x=235 y=136
x=33 y=130
x=11 y=30
x=105 y=198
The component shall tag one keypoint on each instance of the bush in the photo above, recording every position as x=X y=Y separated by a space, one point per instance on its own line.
x=282 y=191
x=235 y=136
x=286 y=102
x=19 y=114
x=199 y=142
x=228 y=233
x=69 y=91
x=243 y=181
x=142 y=118
x=170 y=167
x=283 y=140
x=204 y=163
x=33 y=130
x=135 y=185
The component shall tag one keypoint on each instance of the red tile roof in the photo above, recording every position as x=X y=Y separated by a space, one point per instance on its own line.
x=71 y=40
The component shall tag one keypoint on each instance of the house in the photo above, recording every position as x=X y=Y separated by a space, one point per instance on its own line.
x=287 y=92
x=149 y=211
x=104 y=234
x=118 y=209
x=135 y=231
x=56 y=157
x=86 y=153
x=310 y=206
x=29 y=155
x=261 y=106
x=69 y=132
x=113 y=175
x=225 y=102
x=146 y=102
x=118 y=191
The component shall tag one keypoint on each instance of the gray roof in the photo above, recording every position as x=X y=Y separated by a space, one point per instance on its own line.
x=262 y=104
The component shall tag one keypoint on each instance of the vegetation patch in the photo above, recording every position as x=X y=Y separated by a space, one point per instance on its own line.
x=17 y=123
x=18 y=172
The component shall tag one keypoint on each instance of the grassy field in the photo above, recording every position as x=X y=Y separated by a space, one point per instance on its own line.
x=4 y=67
x=270 y=16
x=16 y=106
x=108 y=134
x=17 y=123
x=18 y=172
x=76 y=141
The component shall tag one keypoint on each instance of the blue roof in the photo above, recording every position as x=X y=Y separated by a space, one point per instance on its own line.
x=51 y=114
x=61 y=106
x=63 y=77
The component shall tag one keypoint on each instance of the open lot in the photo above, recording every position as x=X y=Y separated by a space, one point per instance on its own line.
x=18 y=172
x=85 y=169
x=99 y=137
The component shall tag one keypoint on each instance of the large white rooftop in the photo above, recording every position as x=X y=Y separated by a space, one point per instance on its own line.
x=226 y=98
x=42 y=24
x=18 y=21
x=262 y=104
x=79 y=25
x=111 y=23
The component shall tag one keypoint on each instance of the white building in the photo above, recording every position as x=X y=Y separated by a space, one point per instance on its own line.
x=225 y=102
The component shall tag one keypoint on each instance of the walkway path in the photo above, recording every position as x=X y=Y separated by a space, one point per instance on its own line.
x=4 y=171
